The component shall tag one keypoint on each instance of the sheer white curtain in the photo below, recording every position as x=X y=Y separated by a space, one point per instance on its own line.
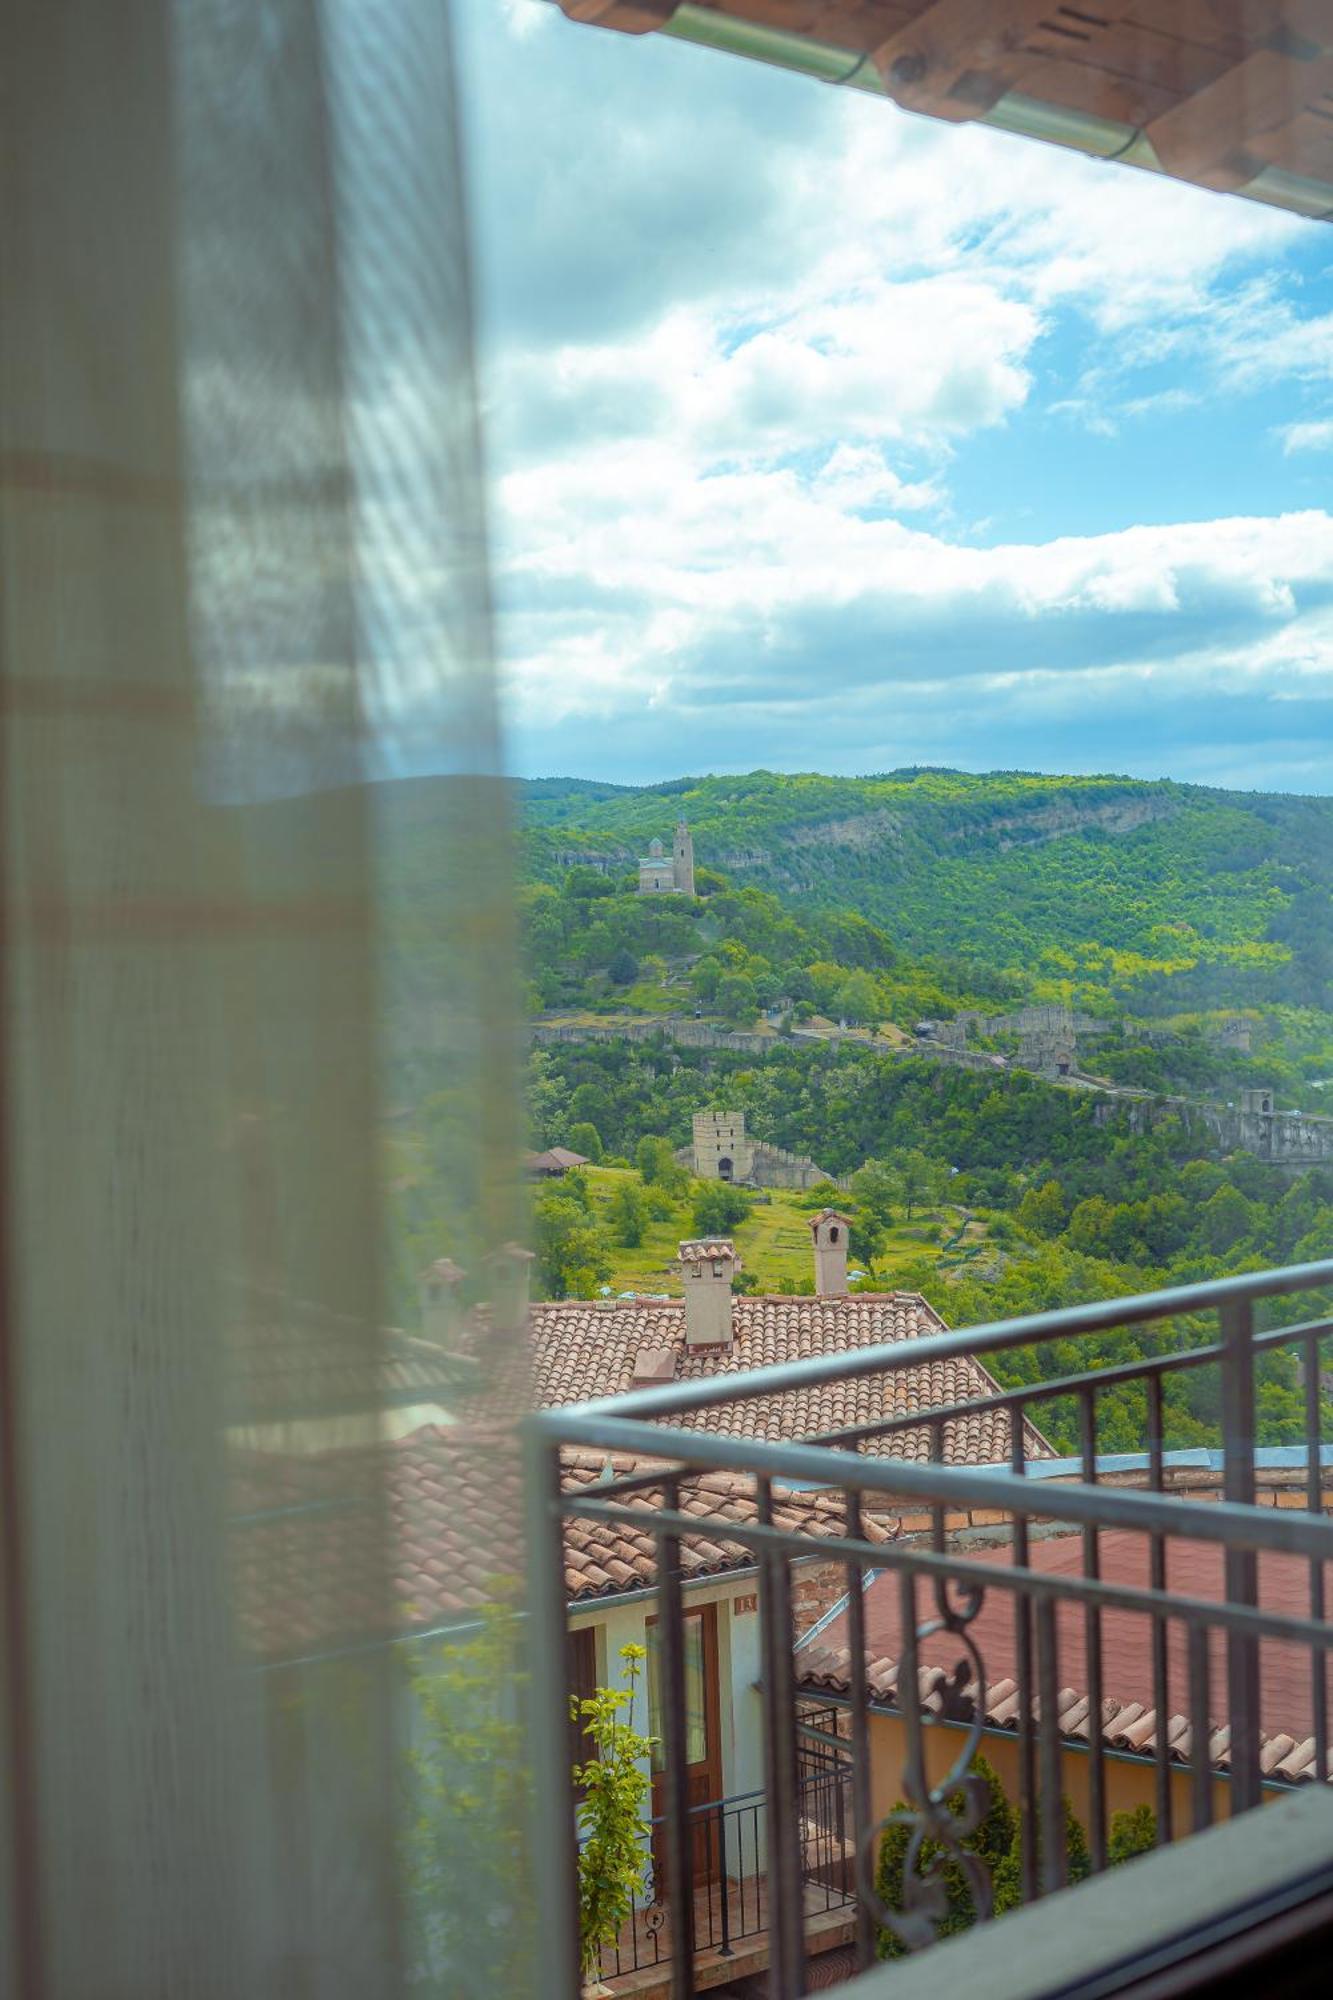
x=242 y=578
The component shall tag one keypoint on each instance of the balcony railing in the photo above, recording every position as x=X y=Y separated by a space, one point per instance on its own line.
x=728 y=1848
x=1224 y=1636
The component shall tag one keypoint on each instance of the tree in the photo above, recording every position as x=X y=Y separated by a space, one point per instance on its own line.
x=623 y=969
x=920 y=1180
x=613 y=1829
x=736 y=997
x=858 y=999
x=865 y=1238
x=1042 y=1210
x=1225 y=1220
x=706 y=977
x=572 y=1253
x=587 y=884
x=875 y=1186
x=658 y=1167
x=629 y=1214
x=719 y=1207
x=990 y=1840
x=586 y=1139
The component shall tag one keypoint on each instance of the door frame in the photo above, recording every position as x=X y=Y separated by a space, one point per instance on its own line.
x=711 y=1766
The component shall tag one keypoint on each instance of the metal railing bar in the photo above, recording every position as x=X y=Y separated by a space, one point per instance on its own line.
x=1027 y=1748
x=1052 y=1870
x=724 y=1886
x=1238 y=1524
x=1201 y=1765
x=1040 y=1584
x=1144 y=1369
x=1092 y=1640
x=679 y=1834
x=813 y=1735
x=787 y=1836
x=993 y=1336
x=1071 y=1746
x=1160 y=1654
x=856 y=1643
x=1314 y=1500
x=1005 y=1399
x=1242 y=1573
x=553 y=1794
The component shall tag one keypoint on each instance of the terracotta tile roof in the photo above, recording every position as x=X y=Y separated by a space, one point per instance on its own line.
x=302 y=1361
x=338 y=1547
x=1129 y=1722
x=582 y=1350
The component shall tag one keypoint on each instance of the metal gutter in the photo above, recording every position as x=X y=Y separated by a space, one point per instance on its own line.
x=1030 y=117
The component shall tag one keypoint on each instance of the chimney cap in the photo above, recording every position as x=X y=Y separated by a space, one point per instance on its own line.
x=706 y=1248
x=830 y=1215
x=508 y=1253
x=443 y=1271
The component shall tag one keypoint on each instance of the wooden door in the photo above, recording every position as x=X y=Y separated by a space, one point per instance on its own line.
x=703 y=1743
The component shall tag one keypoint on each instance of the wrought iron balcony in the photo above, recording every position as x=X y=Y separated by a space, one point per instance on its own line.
x=729 y=1875
x=1224 y=1638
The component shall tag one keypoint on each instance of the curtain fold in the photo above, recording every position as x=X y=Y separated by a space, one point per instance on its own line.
x=242 y=589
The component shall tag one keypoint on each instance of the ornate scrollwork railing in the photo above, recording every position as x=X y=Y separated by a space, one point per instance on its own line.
x=939 y=1826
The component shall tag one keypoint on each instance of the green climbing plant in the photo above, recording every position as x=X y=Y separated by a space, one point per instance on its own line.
x=613 y=1828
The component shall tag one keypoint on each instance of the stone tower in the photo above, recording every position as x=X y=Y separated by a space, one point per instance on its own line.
x=682 y=859
x=829 y=1232
x=706 y=1271
x=721 y=1150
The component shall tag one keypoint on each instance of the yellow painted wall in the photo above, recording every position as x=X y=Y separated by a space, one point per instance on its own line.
x=1129 y=1781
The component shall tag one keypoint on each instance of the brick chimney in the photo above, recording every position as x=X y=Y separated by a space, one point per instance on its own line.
x=438 y=1290
x=828 y=1231
x=706 y=1271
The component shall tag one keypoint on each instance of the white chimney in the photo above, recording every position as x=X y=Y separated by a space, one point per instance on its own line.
x=706 y=1271
x=509 y=1277
x=441 y=1302
x=829 y=1230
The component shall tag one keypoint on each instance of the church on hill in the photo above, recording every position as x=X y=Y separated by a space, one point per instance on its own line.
x=661 y=874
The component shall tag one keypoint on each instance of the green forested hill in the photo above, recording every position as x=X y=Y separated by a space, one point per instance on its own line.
x=1167 y=895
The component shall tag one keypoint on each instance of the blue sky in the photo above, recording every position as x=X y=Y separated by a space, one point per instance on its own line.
x=825 y=437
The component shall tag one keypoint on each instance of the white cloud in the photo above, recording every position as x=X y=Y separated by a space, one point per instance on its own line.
x=750 y=332
x=1314 y=436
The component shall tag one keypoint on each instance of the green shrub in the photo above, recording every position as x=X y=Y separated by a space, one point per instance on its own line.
x=1133 y=1831
x=1008 y=1876
x=718 y=1208
x=990 y=1841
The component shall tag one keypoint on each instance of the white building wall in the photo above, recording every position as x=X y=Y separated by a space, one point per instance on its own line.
x=738 y=1667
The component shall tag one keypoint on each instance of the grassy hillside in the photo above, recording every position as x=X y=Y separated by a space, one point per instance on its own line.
x=773 y=1241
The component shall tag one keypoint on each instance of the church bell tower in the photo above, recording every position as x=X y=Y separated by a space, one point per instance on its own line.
x=682 y=859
